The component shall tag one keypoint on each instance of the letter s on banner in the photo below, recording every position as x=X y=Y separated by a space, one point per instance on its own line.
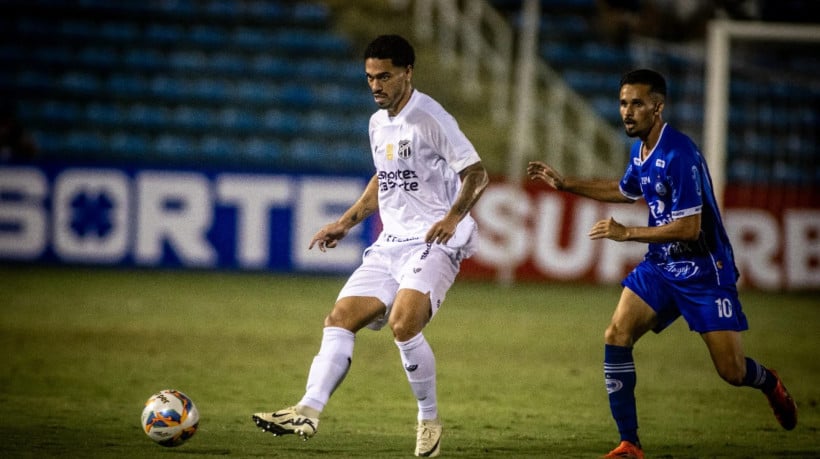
x=504 y=233
x=23 y=228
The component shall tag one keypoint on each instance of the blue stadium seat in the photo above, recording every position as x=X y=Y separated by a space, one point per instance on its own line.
x=263 y=149
x=99 y=57
x=238 y=120
x=80 y=83
x=278 y=122
x=120 y=32
x=174 y=146
x=223 y=9
x=78 y=29
x=229 y=63
x=265 y=9
x=207 y=35
x=193 y=118
x=59 y=113
x=54 y=55
x=104 y=114
x=82 y=143
x=131 y=85
x=266 y=65
x=219 y=147
x=147 y=116
x=188 y=60
x=310 y=13
x=35 y=81
x=129 y=146
x=207 y=89
x=256 y=92
x=253 y=39
x=145 y=59
x=163 y=34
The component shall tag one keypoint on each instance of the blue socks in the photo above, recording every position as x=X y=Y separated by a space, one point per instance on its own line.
x=758 y=376
x=619 y=374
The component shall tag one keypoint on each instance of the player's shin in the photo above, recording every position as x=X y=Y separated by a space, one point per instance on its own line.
x=420 y=368
x=329 y=367
x=619 y=371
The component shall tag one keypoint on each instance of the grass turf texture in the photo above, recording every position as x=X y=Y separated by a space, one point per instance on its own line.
x=519 y=370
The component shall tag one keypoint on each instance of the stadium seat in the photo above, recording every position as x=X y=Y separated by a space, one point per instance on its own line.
x=124 y=145
x=80 y=83
x=173 y=146
x=262 y=149
x=104 y=114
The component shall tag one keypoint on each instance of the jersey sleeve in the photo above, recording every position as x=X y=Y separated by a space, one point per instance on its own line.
x=451 y=143
x=685 y=178
x=631 y=181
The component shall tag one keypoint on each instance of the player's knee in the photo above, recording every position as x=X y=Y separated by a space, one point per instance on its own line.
x=404 y=328
x=617 y=336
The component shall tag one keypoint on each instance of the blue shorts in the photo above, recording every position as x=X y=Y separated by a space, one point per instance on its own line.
x=705 y=305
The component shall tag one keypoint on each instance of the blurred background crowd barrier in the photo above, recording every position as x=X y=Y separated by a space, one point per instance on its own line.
x=221 y=133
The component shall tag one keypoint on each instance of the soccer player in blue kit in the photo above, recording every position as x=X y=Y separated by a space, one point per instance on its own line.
x=689 y=269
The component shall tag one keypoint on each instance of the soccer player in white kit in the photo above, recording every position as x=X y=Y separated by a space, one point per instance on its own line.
x=428 y=177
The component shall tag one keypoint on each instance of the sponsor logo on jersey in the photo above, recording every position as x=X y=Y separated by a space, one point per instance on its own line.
x=681 y=269
x=404 y=149
x=400 y=178
x=660 y=163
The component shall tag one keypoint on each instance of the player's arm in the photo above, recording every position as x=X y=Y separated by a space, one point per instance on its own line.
x=600 y=190
x=681 y=229
x=366 y=205
x=474 y=180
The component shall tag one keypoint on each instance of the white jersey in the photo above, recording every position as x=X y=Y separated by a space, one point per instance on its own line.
x=418 y=155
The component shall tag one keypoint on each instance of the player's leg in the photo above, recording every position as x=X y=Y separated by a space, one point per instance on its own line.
x=411 y=312
x=328 y=370
x=726 y=349
x=362 y=300
x=632 y=318
x=425 y=281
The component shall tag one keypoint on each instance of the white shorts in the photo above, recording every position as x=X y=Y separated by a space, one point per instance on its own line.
x=388 y=266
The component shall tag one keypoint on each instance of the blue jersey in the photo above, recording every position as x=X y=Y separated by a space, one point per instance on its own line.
x=675 y=183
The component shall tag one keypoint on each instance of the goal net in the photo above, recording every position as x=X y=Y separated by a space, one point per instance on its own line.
x=762 y=113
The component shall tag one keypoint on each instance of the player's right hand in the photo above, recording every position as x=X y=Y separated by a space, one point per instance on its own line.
x=329 y=236
x=537 y=170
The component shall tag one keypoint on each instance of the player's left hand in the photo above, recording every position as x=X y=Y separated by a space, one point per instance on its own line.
x=442 y=231
x=608 y=229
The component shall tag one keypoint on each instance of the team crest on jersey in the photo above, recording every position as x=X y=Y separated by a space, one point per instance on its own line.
x=660 y=189
x=404 y=149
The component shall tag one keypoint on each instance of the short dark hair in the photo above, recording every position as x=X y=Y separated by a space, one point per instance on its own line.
x=393 y=47
x=656 y=81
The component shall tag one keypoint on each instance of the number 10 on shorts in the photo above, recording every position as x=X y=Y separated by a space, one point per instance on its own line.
x=724 y=307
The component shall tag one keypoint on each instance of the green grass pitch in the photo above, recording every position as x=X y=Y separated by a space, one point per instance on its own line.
x=519 y=370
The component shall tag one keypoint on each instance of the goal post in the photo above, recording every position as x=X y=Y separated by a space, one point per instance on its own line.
x=722 y=35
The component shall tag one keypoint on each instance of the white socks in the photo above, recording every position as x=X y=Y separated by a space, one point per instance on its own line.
x=331 y=364
x=329 y=367
x=420 y=367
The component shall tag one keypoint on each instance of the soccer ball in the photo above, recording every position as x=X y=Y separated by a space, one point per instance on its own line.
x=170 y=418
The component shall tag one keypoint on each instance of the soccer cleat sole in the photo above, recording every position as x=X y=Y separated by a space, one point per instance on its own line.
x=278 y=431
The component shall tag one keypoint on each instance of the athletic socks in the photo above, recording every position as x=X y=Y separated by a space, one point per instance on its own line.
x=420 y=367
x=620 y=378
x=329 y=368
x=758 y=376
